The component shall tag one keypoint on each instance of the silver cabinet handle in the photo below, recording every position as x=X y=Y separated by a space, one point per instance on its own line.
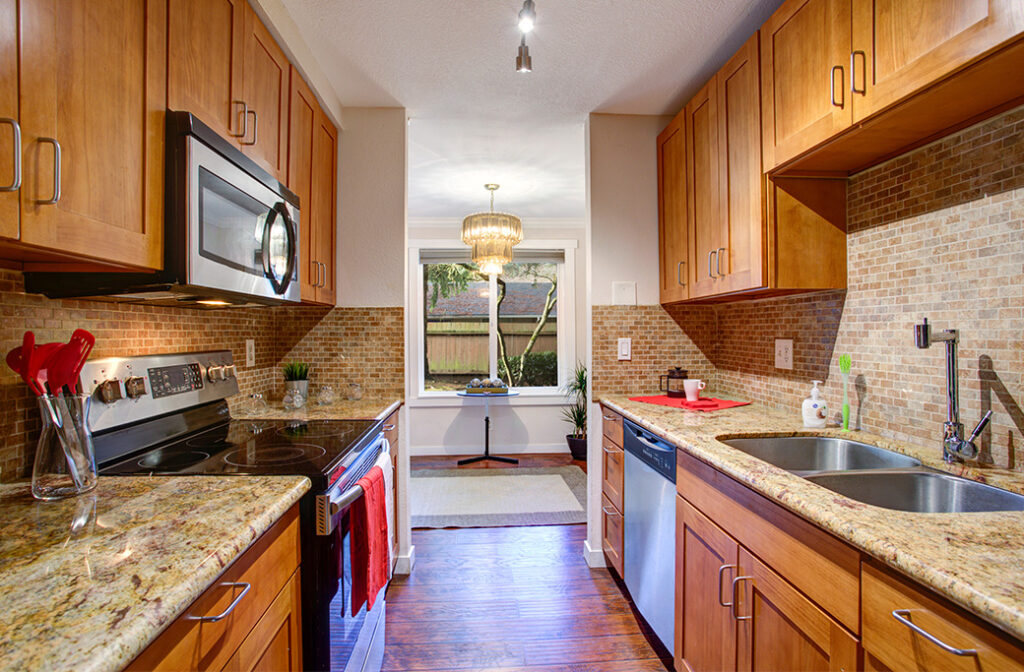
x=316 y=278
x=710 y=254
x=853 y=71
x=901 y=616
x=16 y=181
x=612 y=419
x=56 y=171
x=231 y=607
x=323 y=283
x=389 y=428
x=319 y=277
x=718 y=261
x=832 y=93
x=613 y=512
x=721 y=570
x=609 y=451
x=255 y=128
x=679 y=273
x=735 y=601
x=245 y=118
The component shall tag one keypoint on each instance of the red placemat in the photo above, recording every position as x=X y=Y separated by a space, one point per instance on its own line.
x=702 y=404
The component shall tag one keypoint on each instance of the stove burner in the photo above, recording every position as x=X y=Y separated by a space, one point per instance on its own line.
x=274 y=455
x=312 y=430
x=174 y=461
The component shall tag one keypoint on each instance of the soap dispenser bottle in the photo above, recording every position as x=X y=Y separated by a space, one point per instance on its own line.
x=815 y=409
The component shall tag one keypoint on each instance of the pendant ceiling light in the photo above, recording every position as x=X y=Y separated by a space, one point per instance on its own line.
x=527 y=17
x=492 y=235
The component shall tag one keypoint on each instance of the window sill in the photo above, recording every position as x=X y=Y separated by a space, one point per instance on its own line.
x=450 y=399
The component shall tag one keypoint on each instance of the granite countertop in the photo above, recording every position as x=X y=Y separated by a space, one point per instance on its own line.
x=974 y=559
x=89 y=582
x=339 y=410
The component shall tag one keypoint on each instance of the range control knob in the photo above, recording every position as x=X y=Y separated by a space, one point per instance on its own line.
x=215 y=373
x=135 y=387
x=229 y=371
x=110 y=391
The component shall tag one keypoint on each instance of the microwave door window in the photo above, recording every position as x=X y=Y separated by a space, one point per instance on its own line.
x=231 y=225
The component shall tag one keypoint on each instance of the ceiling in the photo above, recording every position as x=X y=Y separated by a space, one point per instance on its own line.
x=473 y=119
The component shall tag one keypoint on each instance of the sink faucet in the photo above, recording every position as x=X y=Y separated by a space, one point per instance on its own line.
x=955 y=448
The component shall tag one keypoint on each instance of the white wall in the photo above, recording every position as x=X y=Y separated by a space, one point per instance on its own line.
x=623 y=196
x=372 y=204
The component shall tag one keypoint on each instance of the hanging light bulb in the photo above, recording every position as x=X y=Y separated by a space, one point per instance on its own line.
x=527 y=17
x=491 y=235
x=523 y=61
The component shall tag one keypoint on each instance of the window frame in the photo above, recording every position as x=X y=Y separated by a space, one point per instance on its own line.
x=566 y=334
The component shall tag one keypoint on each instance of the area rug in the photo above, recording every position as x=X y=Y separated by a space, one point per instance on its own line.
x=498 y=497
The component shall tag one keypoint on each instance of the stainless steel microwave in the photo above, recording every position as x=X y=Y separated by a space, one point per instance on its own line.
x=231 y=233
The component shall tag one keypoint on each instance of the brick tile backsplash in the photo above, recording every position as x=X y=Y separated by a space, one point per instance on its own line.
x=937 y=233
x=343 y=345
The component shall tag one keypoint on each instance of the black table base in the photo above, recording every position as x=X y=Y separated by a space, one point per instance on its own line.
x=487 y=448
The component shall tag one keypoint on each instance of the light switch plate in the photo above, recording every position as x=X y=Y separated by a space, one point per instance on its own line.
x=250 y=352
x=624 y=293
x=625 y=349
x=783 y=353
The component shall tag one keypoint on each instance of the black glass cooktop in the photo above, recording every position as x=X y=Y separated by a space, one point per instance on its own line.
x=314 y=448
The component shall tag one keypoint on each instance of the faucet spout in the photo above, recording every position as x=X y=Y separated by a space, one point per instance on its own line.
x=954 y=446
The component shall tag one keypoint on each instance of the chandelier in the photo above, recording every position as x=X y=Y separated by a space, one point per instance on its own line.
x=492 y=235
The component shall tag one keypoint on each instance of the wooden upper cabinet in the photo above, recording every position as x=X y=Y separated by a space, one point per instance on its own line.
x=302 y=119
x=672 y=211
x=702 y=179
x=901 y=46
x=741 y=256
x=204 y=61
x=805 y=76
x=94 y=84
x=266 y=94
x=780 y=629
x=324 y=206
x=706 y=562
x=10 y=160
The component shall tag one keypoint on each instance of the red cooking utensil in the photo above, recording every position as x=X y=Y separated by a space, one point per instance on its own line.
x=64 y=364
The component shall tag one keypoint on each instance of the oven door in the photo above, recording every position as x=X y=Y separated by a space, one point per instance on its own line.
x=242 y=236
x=357 y=639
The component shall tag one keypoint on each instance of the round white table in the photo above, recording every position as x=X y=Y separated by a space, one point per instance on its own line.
x=487 y=396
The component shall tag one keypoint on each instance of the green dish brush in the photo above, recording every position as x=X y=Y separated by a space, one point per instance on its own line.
x=844 y=367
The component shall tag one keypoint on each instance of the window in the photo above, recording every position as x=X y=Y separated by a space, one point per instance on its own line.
x=474 y=326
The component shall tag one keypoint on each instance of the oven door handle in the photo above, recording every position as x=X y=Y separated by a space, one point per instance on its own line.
x=330 y=504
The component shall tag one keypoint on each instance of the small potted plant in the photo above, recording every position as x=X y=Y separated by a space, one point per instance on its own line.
x=296 y=378
x=576 y=413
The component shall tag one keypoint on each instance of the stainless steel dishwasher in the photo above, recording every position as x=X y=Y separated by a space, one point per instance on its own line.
x=649 y=509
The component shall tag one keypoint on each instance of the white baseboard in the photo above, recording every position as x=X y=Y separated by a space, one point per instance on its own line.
x=425 y=451
x=406 y=561
x=594 y=557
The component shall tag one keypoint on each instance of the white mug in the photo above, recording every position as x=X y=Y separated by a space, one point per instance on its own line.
x=692 y=387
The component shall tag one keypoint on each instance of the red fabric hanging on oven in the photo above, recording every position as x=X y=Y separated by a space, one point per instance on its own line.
x=369 y=541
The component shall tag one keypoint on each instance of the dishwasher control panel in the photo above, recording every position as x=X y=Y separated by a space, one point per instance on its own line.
x=653 y=451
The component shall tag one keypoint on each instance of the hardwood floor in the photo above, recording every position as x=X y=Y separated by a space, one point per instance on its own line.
x=525 y=460
x=511 y=599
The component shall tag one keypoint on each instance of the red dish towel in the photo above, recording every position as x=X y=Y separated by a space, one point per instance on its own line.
x=369 y=520
x=702 y=404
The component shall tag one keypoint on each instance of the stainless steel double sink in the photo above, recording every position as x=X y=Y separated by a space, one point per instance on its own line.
x=876 y=476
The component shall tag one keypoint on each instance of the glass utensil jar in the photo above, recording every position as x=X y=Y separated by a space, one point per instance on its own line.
x=65 y=463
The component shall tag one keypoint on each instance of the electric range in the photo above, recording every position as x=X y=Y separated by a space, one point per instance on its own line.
x=167 y=415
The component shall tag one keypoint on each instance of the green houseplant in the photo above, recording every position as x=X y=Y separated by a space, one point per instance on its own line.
x=576 y=413
x=296 y=378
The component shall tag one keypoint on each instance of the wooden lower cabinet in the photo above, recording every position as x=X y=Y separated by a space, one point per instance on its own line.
x=611 y=534
x=261 y=632
x=612 y=471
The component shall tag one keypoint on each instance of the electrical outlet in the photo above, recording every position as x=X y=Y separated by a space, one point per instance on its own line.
x=625 y=348
x=250 y=352
x=783 y=353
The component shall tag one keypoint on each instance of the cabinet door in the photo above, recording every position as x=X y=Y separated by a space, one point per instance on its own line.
x=672 y=210
x=266 y=93
x=742 y=252
x=613 y=471
x=780 y=629
x=325 y=205
x=611 y=534
x=101 y=194
x=702 y=179
x=275 y=643
x=9 y=158
x=805 y=55
x=204 y=61
x=706 y=561
x=302 y=115
x=901 y=46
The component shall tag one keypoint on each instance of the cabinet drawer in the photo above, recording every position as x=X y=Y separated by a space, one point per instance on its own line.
x=611 y=423
x=611 y=534
x=208 y=645
x=274 y=644
x=612 y=471
x=896 y=646
x=821 y=566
